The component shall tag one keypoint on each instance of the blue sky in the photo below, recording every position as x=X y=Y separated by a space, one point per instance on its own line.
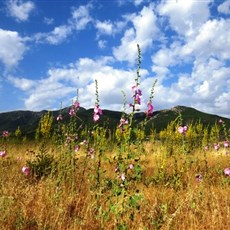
x=51 y=48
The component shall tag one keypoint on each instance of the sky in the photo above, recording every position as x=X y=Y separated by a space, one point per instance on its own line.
x=52 y=49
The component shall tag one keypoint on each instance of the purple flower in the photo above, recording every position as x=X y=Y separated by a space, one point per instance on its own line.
x=76 y=148
x=150 y=109
x=226 y=144
x=199 y=177
x=182 y=129
x=97 y=113
x=5 y=133
x=216 y=146
x=76 y=105
x=3 y=153
x=206 y=148
x=227 y=171
x=72 y=112
x=26 y=170
x=59 y=117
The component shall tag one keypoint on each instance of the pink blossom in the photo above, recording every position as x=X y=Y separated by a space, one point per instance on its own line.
x=150 y=109
x=76 y=105
x=182 y=129
x=226 y=144
x=97 y=113
x=3 y=153
x=59 y=117
x=206 y=148
x=131 y=166
x=26 y=170
x=72 y=112
x=199 y=177
x=5 y=133
x=76 y=148
x=216 y=146
x=227 y=171
x=122 y=176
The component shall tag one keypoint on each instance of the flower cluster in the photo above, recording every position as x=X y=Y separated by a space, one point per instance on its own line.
x=150 y=107
x=26 y=170
x=122 y=123
x=5 y=133
x=137 y=97
x=182 y=129
x=3 y=153
x=74 y=108
x=97 y=112
x=227 y=172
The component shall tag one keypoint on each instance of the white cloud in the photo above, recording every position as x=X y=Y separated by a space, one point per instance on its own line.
x=81 y=17
x=143 y=32
x=105 y=27
x=185 y=17
x=48 y=21
x=224 y=8
x=12 y=48
x=20 y=10
x=102 y=44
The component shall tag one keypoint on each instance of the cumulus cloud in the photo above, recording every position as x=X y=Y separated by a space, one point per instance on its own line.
x=185 y=17
x=143 y=32
x=12 y=48
x=20 y=10
x=224 y=8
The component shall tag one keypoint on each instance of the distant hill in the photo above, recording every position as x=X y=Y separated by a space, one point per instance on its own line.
x=28 y=120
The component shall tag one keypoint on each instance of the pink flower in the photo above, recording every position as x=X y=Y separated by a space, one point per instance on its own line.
x=199 y=177
x=59 y=117
x=150 y=109
x=216 y=146
x=182 y=129
x=3 y=153
x=226 y=144
x=77 y=148
x=220 y=121
x=5 y=133
x=26 y=170
x=72 y=112
x=97 y=113
x=76 y=105
x=227 y=171
x=131 y=166
x=206 y=148
x=122 y=176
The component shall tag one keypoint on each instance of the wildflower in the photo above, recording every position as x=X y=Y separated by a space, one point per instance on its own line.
x=182 y=129
x=226 y=144
x=97 y=113
x=122 y=123
x=199 y=177
x=91 y=152
x=122 y=176
x=221 y=121
x=131 y=166
x=76 y=105
x=227 y=171
x=59 y=117
x=5 y=133
x=150 y=109
x=3 y=153
x=216 y=146
x=72 y=112
x=26 y=170
x=76 y=148
x=206 y=148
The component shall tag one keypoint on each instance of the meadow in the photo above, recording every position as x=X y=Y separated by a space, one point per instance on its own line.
x=87 y=177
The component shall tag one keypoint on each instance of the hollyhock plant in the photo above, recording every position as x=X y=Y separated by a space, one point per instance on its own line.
x=149 y=112
x=5 y=133
x=227 y=171
x=216 y=146
x=25 y=170
x=226 y=144
x=182 y=129
x=97 y=112
x=3 y=153
x=59 y=117
x=199 y=177
x=72 y=112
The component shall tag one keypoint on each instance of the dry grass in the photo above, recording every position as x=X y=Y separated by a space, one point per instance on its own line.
x=172 y=197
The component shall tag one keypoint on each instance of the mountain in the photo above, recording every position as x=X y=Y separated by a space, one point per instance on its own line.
x=28 y=120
